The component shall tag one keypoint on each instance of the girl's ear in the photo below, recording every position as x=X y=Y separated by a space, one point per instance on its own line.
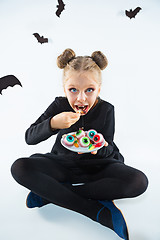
x=99 y=90
x=64 y=91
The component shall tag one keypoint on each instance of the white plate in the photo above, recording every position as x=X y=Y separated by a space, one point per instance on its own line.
x=79 y=149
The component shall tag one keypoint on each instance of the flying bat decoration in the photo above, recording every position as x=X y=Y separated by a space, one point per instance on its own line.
x=60 y=7
x=132 y=13
x=40 y=39
x=8 y=81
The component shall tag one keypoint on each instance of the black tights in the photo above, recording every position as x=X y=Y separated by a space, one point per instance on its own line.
x=59 y=185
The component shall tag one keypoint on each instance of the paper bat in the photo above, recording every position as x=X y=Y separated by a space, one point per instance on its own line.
x=40 y=39
x=132 y=14
x=8 y=81
x=60 y=7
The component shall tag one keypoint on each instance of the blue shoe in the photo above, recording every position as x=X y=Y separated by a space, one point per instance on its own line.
x=118 y=221
x=33 y=200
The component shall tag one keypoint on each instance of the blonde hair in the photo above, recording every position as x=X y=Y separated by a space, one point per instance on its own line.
x=69 y=62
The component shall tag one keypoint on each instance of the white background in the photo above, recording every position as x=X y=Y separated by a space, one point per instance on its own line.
x=130 y=83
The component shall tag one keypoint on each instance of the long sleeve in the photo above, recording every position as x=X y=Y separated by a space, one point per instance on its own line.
x=41 y=130
x=100 y=118
x=108 y=134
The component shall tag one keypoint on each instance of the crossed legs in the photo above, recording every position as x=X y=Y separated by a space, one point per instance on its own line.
x=49 y=180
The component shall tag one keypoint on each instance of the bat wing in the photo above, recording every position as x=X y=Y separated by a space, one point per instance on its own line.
x=58 y=12
x=126 y=12
x=60 y=7
x=44 y=40
x=135 y=11
x=36 y=36
x=40 y=39
x=8 y=81
x=129 y=13
x=61 y=3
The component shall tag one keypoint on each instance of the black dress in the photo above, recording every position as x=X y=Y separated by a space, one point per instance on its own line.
x=100 y=118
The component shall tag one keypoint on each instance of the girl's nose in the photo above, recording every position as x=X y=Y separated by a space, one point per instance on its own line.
x=81 y=96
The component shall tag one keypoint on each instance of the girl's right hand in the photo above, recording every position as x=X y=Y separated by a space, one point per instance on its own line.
x=64 y=120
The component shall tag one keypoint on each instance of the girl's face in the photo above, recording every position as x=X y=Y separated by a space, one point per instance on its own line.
x=82 y=90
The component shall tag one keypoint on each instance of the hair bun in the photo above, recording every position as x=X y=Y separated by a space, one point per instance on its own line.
x=100 y=59
x=65 y=57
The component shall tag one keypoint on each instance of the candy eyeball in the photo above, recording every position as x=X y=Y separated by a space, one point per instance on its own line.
x=69 y=140
x=98 y=138
x=80 y=133
x=84 y=142
x=91 y=133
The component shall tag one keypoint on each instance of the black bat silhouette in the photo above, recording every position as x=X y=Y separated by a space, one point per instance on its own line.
x=8 y=81
x=60 y=7
x=40 y=39
x=132 y=14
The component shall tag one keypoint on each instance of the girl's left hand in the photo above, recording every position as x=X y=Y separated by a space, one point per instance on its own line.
x=95 y=152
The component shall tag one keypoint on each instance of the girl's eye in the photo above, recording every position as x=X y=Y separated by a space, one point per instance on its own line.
x=72 y=89
x=90 y=90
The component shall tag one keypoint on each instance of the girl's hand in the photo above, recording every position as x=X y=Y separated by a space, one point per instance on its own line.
x=64 y=120
x=95 y=152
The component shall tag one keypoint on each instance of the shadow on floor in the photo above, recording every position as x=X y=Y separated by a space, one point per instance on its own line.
x=71 y=219
x=54 y=213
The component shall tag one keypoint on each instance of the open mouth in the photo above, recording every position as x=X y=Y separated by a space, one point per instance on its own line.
x=82 y=109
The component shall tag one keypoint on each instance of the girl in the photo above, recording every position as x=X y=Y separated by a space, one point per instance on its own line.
x=89 y=182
